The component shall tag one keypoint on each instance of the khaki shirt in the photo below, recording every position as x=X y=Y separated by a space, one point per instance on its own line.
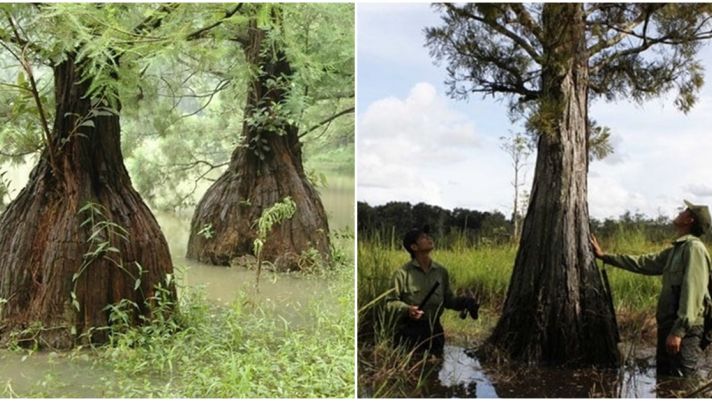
x=412 y=284
x=685 y=268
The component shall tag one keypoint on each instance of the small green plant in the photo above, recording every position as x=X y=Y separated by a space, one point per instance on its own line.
x=4 y=190
x=310 y=260
x=317 y=179
x=99 y=108
x=276 y=214
x=207 y=231
x=102 y=246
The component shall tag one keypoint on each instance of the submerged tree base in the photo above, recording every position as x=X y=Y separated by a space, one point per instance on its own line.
x=206 y=350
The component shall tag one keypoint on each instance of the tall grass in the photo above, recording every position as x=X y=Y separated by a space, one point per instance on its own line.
x=486 y=268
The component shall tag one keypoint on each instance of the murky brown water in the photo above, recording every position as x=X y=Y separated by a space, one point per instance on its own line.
x=51 y=374
x=223 y=284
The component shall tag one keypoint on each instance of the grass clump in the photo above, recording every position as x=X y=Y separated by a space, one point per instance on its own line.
x=244 y=350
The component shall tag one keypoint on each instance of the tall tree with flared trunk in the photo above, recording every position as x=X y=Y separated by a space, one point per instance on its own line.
x=264 y=169
x=550 y=60
x=44 y=239
x=78 y=237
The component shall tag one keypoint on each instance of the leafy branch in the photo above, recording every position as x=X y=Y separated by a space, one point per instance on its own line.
x=276 y=214
x=35 y=93
x=103 y=231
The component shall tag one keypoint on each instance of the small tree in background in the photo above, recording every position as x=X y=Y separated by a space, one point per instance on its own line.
x=518 y=147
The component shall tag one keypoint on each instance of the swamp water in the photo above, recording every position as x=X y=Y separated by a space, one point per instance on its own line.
x=77 y=374
x=460 y=374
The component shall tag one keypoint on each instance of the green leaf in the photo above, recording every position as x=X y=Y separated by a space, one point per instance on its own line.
x=21 y=80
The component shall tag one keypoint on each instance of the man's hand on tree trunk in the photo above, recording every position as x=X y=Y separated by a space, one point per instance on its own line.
x=596 y=247
x=672 y=344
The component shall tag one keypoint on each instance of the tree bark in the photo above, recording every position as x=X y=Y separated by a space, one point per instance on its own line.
x=43 y=242
x=557 y=311
x=516 y=234
x=263 y=170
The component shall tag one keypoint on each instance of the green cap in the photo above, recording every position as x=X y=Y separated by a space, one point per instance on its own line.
x=702 y=214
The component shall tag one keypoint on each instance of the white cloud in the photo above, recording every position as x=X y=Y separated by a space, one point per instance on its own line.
x=608 y=198
x=664 y=159
x=421 y=125
x=406 y=146
x=700 y=190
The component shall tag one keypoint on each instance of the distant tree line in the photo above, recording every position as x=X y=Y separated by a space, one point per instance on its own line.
x=460 y=226
x=447 y=226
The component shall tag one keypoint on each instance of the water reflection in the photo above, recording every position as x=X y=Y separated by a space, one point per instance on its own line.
x=463 y=375
x=460 y=374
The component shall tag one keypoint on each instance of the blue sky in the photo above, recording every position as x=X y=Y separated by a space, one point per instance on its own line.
x=416 y=144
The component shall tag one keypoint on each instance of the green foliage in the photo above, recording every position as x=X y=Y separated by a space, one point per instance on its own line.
x=522 y=52
x=102 y=242
x=276 y=214
x=238 y=351
x=599 y=141
x=390 y=221
x=21 y=132
x=207 y=231
x=180 y=134
x=317 y=178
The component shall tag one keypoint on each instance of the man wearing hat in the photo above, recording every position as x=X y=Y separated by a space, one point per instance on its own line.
x=685 y=267
x=421 y=292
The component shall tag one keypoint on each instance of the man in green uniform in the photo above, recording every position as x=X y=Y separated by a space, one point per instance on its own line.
x=418 y=326
x=685 y=268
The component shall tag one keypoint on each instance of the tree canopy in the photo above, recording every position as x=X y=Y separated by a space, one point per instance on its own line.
x=178 y=73
x=634 y=51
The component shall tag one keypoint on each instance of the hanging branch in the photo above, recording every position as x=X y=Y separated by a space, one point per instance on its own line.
x=200 y=32
x=328 y=120
x=35 y=93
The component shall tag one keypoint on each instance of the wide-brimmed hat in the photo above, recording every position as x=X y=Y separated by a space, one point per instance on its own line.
x=702 y=214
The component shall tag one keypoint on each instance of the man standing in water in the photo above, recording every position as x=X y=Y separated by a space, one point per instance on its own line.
x=685 y=267
x=421 y=293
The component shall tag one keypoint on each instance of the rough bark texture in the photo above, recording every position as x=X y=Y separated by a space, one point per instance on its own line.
x=252 y=183
x=43 y=241
x=556 y=311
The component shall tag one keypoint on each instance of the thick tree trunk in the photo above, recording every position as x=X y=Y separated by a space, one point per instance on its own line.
x=263 y=170
x=557 y=310
x=43 y=243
